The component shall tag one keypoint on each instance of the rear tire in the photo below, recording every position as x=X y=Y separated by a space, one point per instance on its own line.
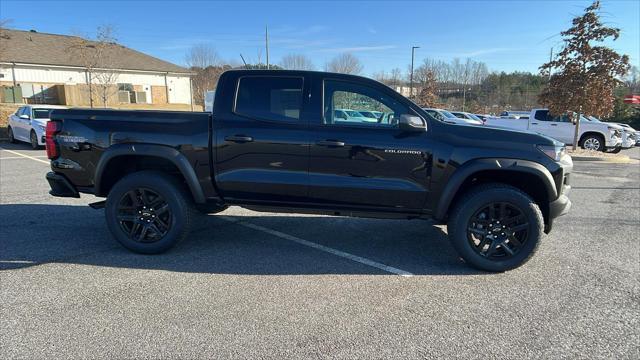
x=593 y=142
x=615 y=150
x=12 y=139
x=149 y=212
x=495 y=227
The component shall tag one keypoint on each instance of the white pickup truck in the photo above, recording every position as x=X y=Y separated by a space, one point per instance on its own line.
x=593 y=135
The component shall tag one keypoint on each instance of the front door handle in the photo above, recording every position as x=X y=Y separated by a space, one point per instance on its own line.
x=553 y=124
x=239 y=138
x=333 y=143
x=534 y=123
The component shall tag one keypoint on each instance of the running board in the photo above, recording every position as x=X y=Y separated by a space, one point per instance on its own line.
x=98 y=205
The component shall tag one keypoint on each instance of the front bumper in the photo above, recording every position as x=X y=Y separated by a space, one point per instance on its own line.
x=60 y=186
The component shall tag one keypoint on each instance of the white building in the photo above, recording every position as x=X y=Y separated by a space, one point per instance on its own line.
x=46 y=68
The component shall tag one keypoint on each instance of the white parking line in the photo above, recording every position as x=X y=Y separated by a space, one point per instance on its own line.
x=17 y=157
x=358 y=259
x=24 y=156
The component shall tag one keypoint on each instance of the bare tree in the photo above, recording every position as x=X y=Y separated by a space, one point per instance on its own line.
x=205 y=80
x=202 y=56
x=346 y=64
x=98 y=57
x=396 y=77
x=297 y=62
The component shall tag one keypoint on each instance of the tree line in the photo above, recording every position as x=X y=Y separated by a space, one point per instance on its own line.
x=585 y=76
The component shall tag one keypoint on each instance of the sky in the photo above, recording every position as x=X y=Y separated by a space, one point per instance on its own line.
x=506 y=35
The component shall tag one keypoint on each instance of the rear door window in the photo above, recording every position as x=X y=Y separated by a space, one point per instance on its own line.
x=270 y=98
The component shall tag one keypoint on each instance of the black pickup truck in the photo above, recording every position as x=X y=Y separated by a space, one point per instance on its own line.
x=311 y=142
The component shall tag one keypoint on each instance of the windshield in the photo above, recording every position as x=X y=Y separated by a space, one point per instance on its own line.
x=41 y=113
x=474 y=117
x=447 y=114
x=353 y=113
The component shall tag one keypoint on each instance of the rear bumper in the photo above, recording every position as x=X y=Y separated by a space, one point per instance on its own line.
x=60 y=186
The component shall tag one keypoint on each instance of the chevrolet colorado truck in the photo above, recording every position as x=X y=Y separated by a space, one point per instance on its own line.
x=273 y=143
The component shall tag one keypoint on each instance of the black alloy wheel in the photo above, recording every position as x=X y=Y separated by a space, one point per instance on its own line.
x=498 y=231
x=144 y=215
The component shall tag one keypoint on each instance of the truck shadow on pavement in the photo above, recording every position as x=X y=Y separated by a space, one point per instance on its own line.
x=36 y=234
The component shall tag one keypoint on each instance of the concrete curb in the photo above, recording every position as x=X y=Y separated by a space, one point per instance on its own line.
x=617 y=159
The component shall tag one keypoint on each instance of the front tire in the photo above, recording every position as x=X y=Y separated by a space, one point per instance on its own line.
x=33 y=140
x=593 y=142
x=149 y=212
x=495 y=227
x=615 y=150
x=12 y=138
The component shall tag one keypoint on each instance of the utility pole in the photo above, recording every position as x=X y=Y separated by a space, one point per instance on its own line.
x=266 y=40
x=413 y=52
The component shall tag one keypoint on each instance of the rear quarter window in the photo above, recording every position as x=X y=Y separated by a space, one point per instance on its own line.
x=270 y=98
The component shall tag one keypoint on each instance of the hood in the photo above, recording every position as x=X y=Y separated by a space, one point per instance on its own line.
x=41 y=122
x=494 y=137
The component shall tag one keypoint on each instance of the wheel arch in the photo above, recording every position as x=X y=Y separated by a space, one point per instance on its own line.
x=591 y=132
x=133 y=156
x=528 y=176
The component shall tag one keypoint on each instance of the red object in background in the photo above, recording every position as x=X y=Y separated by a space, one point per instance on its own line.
x=632 y=99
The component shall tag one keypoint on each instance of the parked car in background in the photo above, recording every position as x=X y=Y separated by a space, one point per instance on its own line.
x=593 y=135
x=468 y=116
x=446 y=116
x=29 y=122
x=636 y=133
x=352 y=115
x=372 y=114
x=482 y=116
x=515 y=114
x=629 y=134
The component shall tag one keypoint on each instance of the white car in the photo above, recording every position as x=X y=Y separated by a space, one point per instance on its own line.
x=593 y=135
x=629 y=134
x=352 y=116
x=468 y=116
x=29 y=122
x=445 y=116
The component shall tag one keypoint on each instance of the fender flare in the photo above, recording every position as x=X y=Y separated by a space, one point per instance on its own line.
x=461 y=174
x=160 y=151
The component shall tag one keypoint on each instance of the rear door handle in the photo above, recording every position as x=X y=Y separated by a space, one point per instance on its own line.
x=333 y=143
x=239 y=138
x=534 y=123
x=553 y=124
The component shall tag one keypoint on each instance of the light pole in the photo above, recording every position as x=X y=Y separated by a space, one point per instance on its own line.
x=413 y=52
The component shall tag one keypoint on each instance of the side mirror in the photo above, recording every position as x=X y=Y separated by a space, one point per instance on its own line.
x=25 y=116
x=411 y=123
x=575 y=117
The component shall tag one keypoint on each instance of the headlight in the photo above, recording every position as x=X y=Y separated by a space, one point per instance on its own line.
x=614 y=132
x=555 y=152
x=41 y=127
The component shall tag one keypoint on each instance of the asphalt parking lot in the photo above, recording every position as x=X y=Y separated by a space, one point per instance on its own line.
x=255 y=285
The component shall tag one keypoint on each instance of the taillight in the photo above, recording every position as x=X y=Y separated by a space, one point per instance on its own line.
x=53 y=127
